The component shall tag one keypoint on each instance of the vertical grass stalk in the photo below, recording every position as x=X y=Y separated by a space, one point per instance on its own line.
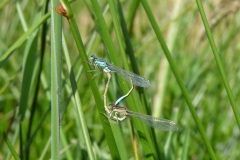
x=56 y=67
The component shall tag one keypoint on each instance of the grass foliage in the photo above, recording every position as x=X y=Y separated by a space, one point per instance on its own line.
x=52 y=107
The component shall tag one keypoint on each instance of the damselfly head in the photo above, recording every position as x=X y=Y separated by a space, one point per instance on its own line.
x=93 y=58
x=111 y=105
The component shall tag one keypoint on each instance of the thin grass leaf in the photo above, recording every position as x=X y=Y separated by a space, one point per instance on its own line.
x=186 y=146
x=28 y=67
x=10 y=146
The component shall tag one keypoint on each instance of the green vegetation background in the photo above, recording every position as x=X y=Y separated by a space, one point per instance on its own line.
x=48 y=93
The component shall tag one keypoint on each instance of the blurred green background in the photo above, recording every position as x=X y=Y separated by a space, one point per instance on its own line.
x=25 y=79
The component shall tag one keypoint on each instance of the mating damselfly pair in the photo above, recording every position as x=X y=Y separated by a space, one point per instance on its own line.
x=118 y=113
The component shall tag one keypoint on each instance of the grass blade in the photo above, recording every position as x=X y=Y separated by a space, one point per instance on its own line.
x=56 y=81
x=11 y=148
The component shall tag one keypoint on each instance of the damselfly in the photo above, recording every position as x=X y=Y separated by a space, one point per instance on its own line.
x=119 y=113
x=129 y=76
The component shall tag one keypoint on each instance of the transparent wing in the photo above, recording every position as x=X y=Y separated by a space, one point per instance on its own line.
x=161 y=124
x=129 y=76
